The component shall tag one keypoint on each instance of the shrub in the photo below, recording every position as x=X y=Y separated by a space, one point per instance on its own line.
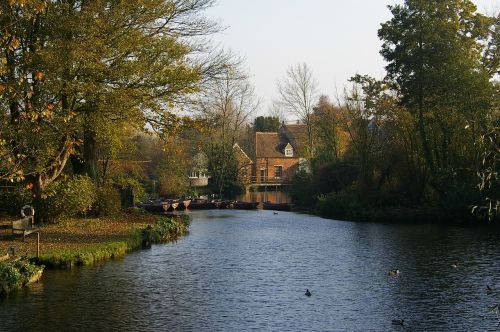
x=346 y=205
x=302 y=192
x=11 y=201
x=15 y=274
x=67 y=198
x=165 y=229
x=108 y=201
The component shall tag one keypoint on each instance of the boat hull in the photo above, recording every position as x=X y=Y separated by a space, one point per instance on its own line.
x=155 y=207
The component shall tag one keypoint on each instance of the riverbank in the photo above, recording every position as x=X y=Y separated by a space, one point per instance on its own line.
x=400 y=215
x=84 y=241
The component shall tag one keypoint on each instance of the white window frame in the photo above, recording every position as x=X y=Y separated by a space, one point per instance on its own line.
x=289 y=152
x=281 y=175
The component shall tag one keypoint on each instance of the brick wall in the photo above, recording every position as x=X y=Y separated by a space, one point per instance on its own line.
x=289 y=168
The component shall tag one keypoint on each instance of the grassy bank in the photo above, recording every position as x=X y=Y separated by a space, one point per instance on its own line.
x=354 y=211
x=16 y=274
x=78 y=242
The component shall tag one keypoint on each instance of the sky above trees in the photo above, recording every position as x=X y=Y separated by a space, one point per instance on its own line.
x=337 y=39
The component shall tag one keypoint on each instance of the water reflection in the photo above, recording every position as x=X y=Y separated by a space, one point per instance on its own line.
x=248 y=270
x=273 y=196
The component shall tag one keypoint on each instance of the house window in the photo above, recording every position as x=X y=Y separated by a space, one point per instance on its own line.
x=262 y=175
x=278 y=172
x=289 y=152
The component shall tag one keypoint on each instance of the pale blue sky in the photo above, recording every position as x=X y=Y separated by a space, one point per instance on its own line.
x=336 y=38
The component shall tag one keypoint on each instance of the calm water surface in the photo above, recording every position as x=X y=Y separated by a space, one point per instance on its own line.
x=248 y=270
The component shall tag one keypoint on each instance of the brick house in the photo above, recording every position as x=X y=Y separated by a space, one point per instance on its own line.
x=278 y=155
x=244 y=164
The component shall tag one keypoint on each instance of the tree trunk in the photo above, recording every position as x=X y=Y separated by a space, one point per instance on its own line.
x=90 y=153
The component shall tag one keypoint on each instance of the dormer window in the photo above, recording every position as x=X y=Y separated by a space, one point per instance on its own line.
x=288 y=150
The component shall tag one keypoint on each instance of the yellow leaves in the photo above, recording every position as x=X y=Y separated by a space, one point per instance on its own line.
x=20 y=3
x=14 y=43
x=69 y=117
x=39 y=75
x=17 y=176
x=37 y=6
x=3 y=87
x=40 y=7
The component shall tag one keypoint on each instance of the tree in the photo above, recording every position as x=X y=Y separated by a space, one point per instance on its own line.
x=433 y=49
x=266 y=124
x=226 y=107
x=328 y=132
x=71 y=67
x=223 y=169
x=491 y=55
x=489 y=174
x=366 y=109
x=298 y=94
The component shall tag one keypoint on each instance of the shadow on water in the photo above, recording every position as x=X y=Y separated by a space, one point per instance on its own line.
x=249 y=271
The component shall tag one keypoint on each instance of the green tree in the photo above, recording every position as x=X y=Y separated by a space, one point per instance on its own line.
x=71 y=67
x=266 y=124
x=433 y=50
x=367 y=109
x=223 y=169
x=327 y=123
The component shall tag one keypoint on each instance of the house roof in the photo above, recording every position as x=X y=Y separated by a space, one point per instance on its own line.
x=268 y=145
x=242 y=153
x=296 y=134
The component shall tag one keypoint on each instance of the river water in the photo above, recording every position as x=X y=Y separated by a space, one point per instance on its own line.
x=248 y=271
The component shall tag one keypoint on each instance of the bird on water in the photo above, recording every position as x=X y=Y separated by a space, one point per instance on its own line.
x=308 y=293
x=394 y=272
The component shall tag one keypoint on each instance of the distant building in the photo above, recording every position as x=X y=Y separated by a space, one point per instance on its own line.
x=279 y=155
x=245 y=164
x=198 y=174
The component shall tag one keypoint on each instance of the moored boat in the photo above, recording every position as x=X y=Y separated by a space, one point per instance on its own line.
x=226 y=204
x=174 y=203
x=154 y=206
x=198 y=204
x=184 y=204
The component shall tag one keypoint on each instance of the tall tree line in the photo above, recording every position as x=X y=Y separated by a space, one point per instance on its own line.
x=74 y=73
x=423 y=134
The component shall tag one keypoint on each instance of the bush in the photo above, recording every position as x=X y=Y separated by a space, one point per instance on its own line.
x=108 y=201
x=302 y=192
x=165 y=229
x=14 y=275
x=11 y=201
x=68 y=198
x=345 y=205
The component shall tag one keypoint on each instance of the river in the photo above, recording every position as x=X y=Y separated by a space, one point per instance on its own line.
x=248 y=271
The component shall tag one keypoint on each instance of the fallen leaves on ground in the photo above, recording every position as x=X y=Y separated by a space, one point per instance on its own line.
x=74 y=233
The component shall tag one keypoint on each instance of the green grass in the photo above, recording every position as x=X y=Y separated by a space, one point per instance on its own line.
x=164 y=230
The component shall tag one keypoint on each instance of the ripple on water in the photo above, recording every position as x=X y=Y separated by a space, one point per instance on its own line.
x=248 y=271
